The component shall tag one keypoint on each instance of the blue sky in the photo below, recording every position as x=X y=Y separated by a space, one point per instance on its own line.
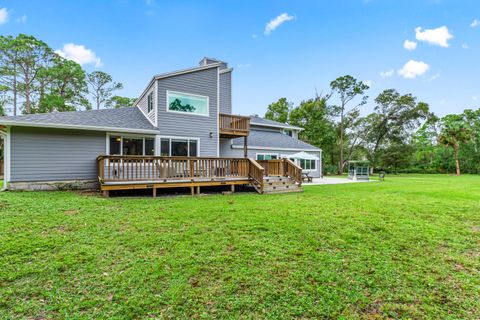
x=309 y=44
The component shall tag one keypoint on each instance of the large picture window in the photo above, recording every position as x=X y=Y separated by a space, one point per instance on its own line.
x=173 y=147
x=131 y=145
x=187 y=103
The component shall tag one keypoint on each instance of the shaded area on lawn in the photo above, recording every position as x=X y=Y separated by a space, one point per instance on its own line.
x=406 y=247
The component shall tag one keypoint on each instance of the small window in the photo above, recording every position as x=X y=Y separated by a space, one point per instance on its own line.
x=179 y=148
x=193 y=148
x=150 y=102
x=115 y=143
x=165 y=147
x=186 y=103
x=266 y=156
x=288 y=132
x=149 y=146
x=132 y=146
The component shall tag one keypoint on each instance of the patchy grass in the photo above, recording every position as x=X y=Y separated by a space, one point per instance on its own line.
x=404 y=248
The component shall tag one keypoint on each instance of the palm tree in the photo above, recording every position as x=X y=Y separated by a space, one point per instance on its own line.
x=454 y=131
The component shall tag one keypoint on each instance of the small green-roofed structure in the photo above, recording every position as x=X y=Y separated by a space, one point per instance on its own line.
x=359 y=170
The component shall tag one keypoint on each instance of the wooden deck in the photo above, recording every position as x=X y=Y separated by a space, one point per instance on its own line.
x=150 y=172
x=232 y=126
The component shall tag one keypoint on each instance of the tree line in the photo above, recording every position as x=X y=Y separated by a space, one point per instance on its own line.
x=400 y=135
x=35 y=79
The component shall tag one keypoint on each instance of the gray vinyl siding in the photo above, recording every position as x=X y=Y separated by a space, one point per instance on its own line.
x=43 y=154
x=205 y=83
x=227 y=151
x=226 y=92
x=143 y=105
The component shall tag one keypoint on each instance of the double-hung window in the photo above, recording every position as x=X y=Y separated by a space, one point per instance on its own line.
x=150 y=102
x=131 y=145
x=178 y=147
x=187 y=103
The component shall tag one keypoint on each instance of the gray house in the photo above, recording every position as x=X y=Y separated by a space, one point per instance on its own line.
x=181 y=120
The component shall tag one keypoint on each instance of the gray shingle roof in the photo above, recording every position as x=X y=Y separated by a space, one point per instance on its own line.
x=254 y=120
x=123 y=118
x=270 y=139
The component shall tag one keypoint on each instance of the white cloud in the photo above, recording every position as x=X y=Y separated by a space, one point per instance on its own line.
x=368 y=83
x=3 y=16
x=22 y=19
x=410 y=45
x=246 y=65
x=387 y=74
x=79 y=54
x=413 y=69
x=438 y=36
x=475 y=23
x=465 y=46
x=474 y=98
x=275 y=23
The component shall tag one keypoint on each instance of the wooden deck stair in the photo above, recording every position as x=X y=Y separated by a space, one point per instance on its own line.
x=280 y=185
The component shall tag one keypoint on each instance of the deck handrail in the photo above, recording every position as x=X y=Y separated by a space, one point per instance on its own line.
x=256 y=173
x=293 y=171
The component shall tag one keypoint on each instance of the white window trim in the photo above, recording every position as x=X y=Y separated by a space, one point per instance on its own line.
x=177 y=138
x=167 y=107
x=266 y=154
x=129 y=135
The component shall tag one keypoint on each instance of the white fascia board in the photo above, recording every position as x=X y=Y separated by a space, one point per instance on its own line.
x=275 y=126
x=226 y=70
x=73 y=126
x=273 y=148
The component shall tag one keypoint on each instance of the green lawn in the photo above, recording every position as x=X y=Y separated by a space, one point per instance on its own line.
x=408 y=247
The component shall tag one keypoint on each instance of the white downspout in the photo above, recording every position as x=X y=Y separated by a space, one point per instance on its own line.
x=6 y=159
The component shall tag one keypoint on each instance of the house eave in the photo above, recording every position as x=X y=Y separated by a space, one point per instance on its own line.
x=275 y=126
x=276 y=148
x=73 y=126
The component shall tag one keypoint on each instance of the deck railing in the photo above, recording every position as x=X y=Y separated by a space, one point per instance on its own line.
x=168 y=169
x=164 y=169
x=256 y=173
x=234 y=125
x=282 y=168
x=293 y=171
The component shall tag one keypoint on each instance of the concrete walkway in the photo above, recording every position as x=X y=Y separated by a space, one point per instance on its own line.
x=331 y=180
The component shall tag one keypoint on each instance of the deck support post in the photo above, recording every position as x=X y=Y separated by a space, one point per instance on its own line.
x=232 y=188
x=198 y=189
x=245 y=147
x=106 y=193
x=192 y=190
x=154 y=193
